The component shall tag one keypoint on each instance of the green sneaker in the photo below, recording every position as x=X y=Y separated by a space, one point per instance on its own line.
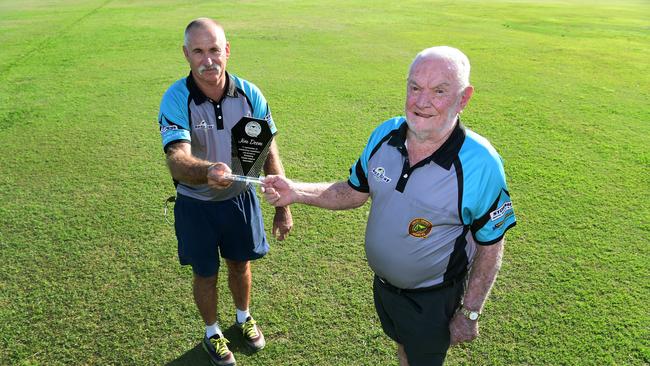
x=217 y=349
x=252 y=333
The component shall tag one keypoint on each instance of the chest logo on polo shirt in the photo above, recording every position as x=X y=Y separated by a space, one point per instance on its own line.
x=420 y=228
x=203 y=125
x=380 y=175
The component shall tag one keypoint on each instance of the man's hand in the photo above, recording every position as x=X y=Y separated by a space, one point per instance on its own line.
x=462 y=329
x=282 y=223
x=216 y=176
x=277 y=191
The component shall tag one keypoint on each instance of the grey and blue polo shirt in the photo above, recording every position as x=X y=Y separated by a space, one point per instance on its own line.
x=426 y=220
x=186 y=114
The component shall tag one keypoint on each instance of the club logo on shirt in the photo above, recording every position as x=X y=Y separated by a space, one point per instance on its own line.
x=420 y=228
x=499 y=212
x=203 y=125
x=164 y=129
x=380 y=175
x=253 y=129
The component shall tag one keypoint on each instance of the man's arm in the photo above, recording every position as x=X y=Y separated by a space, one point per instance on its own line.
x=280 y=191
x=282 y=220
x=485 y=266
x=185 y=167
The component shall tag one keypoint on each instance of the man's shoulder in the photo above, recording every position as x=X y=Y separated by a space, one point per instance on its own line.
x=178 y=86
x=389 y=125
x=478 y=143
x=393 y=123
x=245 y=86
x=175 y=95
x=479 y=153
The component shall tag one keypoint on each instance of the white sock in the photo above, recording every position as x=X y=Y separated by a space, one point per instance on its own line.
x=242 y=315
x=213 y=329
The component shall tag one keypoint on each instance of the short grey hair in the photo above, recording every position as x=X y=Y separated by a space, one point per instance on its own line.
x=457 y=58
x=199 y=23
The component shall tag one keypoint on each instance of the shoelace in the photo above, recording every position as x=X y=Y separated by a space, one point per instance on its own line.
x=249 y=329
x=220 y=346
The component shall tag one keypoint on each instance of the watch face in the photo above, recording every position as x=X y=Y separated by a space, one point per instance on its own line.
x=473 y=315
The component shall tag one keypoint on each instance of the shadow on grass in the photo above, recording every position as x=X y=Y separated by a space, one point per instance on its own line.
x=198 y=357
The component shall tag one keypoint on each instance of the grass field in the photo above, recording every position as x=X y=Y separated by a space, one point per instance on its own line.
x=89 y=274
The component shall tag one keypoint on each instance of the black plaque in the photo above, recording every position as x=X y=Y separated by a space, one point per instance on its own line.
x=251 y=140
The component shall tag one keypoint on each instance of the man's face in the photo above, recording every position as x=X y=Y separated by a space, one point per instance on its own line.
x=433 y=97
x=207 y=52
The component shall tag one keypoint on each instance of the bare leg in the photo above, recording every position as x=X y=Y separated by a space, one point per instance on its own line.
x=401 y=355
x=205 y=297
x=239 y=281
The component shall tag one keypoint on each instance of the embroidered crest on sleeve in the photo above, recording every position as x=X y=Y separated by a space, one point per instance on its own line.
x=499 y=212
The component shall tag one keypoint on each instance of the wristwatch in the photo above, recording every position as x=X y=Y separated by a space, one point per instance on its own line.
x=470 y=314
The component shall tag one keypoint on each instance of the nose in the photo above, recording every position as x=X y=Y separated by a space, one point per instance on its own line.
x=422 y=100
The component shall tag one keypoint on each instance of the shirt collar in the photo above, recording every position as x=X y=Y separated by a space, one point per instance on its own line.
x=444 y=155
x=197 y=95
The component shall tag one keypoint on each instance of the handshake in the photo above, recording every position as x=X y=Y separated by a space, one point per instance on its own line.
x=281 y=192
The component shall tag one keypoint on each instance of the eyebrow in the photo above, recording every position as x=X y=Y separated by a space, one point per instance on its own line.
x=210 y=47
x=441 y=85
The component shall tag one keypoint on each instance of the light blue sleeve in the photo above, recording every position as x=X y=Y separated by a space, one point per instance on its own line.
x=486 y=207
x=173 y=117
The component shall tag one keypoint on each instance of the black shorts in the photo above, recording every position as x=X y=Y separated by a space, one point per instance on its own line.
x=418 y=320
x=233 y=228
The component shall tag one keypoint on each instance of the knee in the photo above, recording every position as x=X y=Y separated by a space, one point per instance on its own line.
x=238 y=268
x=205 y=281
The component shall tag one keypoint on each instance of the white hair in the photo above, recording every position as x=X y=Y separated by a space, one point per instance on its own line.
x=457 y=58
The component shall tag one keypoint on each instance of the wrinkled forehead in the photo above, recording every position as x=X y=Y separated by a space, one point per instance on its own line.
x=206 y=35
x=434 y=71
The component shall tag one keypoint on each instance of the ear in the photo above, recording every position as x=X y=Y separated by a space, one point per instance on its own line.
x=186 y=52
x=227 y=50
x=465 y=97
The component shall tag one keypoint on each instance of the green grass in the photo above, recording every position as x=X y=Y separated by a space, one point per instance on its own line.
x=89 y=271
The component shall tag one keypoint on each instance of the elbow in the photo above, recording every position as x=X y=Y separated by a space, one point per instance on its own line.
x=173 y=170
x=352 y=204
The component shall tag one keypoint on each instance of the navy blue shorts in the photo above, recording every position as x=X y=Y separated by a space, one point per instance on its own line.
x=418 y=321
x=232 y=228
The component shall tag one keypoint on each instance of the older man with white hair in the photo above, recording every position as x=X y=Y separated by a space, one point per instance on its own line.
x=440 y=209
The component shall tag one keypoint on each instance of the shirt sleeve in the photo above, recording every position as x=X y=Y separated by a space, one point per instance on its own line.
x=265 y=113
x=491 y=227
x=490 y=211
x=358 y=178
x=173 y=118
